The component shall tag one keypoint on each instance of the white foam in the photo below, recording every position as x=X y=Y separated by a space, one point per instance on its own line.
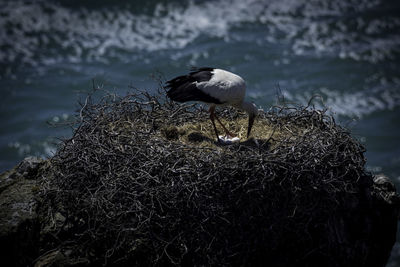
x=43 y=149
x=352 y=104
x=46 y=33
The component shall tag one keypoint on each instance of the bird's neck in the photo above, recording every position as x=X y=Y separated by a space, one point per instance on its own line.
x=249 y=107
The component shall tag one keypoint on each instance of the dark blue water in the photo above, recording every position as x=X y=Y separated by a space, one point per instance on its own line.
x=346 y=51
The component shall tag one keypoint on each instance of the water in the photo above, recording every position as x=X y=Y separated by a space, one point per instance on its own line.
x=346 y=51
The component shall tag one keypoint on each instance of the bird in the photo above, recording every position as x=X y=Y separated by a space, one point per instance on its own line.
x=215 y=87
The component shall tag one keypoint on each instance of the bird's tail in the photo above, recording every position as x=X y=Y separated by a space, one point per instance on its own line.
x=179 y=89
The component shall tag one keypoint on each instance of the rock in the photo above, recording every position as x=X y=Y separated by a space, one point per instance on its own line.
x=19 y=227
x=386 y=190
x=29 y=166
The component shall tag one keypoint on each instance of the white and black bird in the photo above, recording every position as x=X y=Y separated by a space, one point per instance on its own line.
x=215 y=87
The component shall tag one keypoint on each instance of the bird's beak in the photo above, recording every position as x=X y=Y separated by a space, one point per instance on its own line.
x=251 y=121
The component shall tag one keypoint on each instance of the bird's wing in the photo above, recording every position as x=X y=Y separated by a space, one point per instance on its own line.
x=185 y=88
x=225 y=86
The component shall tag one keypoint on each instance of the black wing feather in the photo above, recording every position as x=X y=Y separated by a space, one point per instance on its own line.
x=183 y=89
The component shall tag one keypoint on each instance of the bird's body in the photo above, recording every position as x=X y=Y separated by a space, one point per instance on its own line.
x=225 y=86
x=215 y=87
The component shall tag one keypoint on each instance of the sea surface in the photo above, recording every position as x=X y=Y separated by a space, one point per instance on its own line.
x=348 y=52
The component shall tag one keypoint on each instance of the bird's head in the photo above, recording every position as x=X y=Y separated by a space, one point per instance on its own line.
x=251 y=121
x=252 y=110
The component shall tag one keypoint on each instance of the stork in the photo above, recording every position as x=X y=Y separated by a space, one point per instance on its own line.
x=215 y=87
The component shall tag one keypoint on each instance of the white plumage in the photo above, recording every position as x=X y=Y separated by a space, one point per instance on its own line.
x=215 y=87
x=225 y=86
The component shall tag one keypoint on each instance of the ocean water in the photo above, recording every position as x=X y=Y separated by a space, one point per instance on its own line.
x=348 y=52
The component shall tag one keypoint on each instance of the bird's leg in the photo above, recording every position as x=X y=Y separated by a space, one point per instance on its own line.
x=212 y=118
x=228 y=134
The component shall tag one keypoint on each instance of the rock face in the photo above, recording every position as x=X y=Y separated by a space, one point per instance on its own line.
x=19 y=224
x=386 y=203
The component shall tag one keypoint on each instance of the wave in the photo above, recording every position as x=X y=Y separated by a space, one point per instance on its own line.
x=42 y=149
x=44 y=33
x=351 y=104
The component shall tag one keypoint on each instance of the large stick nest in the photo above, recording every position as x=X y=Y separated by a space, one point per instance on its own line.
x=142 y=181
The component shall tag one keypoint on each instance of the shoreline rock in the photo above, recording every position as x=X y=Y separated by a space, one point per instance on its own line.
x=19 y=224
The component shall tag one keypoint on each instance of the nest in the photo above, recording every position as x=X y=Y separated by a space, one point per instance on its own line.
x=143 y=182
